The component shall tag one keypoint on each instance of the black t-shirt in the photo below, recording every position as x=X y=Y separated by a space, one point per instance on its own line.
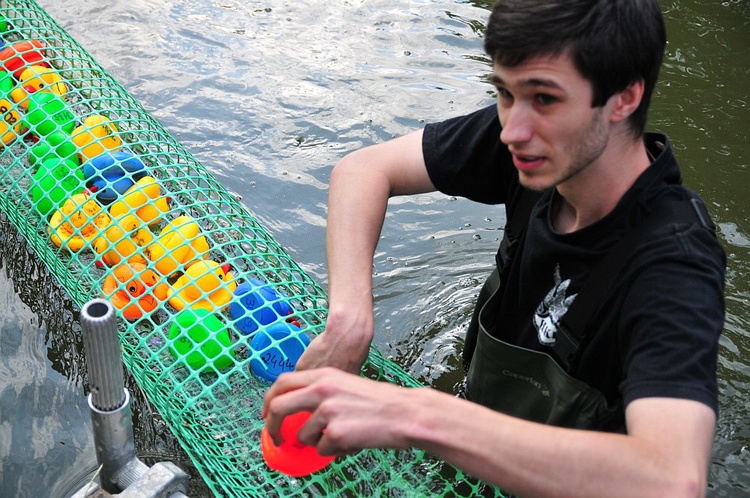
x=657 y=332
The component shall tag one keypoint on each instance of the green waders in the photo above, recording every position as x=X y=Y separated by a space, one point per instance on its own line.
x=530 y=384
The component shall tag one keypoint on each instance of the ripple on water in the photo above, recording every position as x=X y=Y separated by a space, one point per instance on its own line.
x=240 y=83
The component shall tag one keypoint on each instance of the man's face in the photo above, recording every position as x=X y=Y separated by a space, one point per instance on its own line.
x=548 y=123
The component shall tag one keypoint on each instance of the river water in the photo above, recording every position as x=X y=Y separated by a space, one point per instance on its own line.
x=268 y=95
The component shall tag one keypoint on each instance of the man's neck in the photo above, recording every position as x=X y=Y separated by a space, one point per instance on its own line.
x=595 y=191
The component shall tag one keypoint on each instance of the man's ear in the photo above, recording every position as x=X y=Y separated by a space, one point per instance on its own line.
x=627 y=101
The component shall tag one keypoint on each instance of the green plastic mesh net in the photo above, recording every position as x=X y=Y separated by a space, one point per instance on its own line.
x=210 y=308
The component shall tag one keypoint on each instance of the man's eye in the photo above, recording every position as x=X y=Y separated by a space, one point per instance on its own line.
x=545 y=99
x=504 y=94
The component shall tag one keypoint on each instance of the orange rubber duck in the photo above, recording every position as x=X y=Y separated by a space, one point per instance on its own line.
x=179 y=244
x=134 y=289
x=205 y=285
x=78 y=222
x=144 y=199
x=122 y=239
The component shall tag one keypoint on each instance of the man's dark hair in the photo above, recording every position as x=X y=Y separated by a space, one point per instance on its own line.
x=612 y=43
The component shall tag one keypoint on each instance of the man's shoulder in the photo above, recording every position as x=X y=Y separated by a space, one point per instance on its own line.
x=464 y=157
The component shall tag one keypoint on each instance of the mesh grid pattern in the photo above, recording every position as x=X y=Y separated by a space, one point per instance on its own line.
x=114 y=206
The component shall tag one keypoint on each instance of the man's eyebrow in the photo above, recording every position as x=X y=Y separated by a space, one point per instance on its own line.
x=530 y=83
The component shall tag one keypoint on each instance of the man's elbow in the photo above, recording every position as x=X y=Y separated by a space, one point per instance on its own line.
x=350 y=165
x=685 y=484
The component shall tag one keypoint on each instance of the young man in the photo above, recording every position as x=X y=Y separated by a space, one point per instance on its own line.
x=592 y=361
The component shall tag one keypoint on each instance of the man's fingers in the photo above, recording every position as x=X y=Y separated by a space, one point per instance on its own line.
x=313 y=430
x=286 y=382
x=291 y=393
x=292 y=402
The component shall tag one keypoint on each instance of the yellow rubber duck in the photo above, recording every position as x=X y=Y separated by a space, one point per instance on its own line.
x=10 y=120
x=141 y=293
x=37 y=78
x=144 y=199
x=96 y=136
x=10 y=123
x=122 y=240
x=205 y=285
x=179 y=244
x=78 y=222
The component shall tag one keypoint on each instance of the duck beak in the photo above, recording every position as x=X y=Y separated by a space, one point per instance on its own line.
x=225 y=268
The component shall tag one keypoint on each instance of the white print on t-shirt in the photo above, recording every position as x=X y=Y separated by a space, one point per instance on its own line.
x=551 y=309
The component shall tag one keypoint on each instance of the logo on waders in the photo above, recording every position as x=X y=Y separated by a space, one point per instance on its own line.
x=554 y=305
x=542 y=388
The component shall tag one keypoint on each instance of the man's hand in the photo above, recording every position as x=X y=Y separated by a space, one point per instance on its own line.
x=344 y=344
x=348 y=412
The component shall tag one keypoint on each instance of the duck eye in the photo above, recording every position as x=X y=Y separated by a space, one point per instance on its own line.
x=132 y=289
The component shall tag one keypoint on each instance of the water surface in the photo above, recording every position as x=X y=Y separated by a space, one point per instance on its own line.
x=268 y=96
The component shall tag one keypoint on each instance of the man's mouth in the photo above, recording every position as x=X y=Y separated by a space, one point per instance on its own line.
x=525 y=162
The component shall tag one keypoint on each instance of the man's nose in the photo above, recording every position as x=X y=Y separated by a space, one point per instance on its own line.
x=517 y=124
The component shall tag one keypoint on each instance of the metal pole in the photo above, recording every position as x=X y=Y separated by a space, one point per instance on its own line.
x=109 y=400
x=102 y=344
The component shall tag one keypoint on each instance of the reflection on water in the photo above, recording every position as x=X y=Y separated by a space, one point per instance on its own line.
x=46 y=441
x=268 y=96
x=44 y=423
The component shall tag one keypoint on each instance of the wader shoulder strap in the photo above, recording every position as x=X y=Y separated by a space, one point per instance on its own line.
x=519 y=209
x=520 y=212
x=571 y=333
